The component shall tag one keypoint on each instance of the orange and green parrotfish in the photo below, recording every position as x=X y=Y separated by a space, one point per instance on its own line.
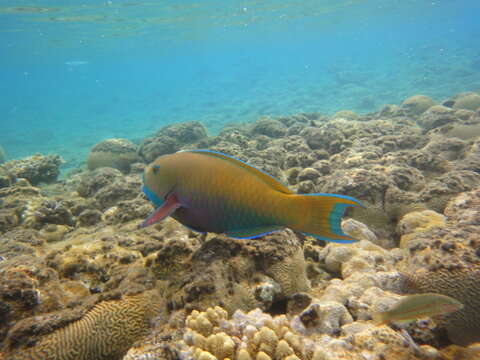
x=418 y=306
x=209 y=191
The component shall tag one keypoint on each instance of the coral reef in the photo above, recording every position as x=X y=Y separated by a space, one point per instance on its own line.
x=256 y=335
x=115 y=153
x=444 y=258
x=247 y=272
x=36 y=169
x=72 y=256
x=170 y=138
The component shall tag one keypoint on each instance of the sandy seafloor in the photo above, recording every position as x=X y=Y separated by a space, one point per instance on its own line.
x=79 y=280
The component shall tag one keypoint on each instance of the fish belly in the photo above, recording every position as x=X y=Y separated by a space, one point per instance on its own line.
x=228 y=210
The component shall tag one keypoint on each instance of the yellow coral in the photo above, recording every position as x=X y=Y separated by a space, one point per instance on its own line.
x=418 y=221
x=261 y=337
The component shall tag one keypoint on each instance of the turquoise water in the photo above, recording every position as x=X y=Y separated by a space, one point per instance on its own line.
x=73 y=75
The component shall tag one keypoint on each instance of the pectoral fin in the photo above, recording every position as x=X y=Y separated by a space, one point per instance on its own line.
x=168 y=207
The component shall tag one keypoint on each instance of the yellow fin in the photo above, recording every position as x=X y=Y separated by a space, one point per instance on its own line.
x=267 y=178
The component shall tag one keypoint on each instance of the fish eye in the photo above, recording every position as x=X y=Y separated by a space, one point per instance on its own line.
x=155 y=169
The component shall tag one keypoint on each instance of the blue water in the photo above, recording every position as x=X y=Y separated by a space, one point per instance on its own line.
x=72 y=75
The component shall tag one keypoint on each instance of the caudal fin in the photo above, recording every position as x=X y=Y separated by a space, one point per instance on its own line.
x=320 y=215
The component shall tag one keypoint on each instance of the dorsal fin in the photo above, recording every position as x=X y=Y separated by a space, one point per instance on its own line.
x=266 y=177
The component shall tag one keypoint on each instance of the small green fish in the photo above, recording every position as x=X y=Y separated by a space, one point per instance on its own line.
x=418 y=306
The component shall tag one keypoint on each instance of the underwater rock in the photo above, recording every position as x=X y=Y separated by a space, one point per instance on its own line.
x=352 y=182
x=93 y=181
x=53 y=212
x=295 y=144
x=9 y=219
x=36 y=169
x=465 y=131
x=417 y=105
x=153 y=147
x=184 y=133
x=358 y=230
x=18 y=205
x=20 y=242
x=450 y=149
x=6 y=178
x=170 y=139
x=322 y=317
x=269 y=127
x=108 y=186
x=122 y=189
x=429 y=163
x=436 y=242
x=28 y=287
x=390 y=111
x=436 y=116
x=240 y=139
x=346 y=114
x=329 y=137
x=468 y=101
x=236 y=274
x=308 y=174
x=418 y=221
x=464 y=114
x=114 y=153
x=89 y=217
x=102 y=262
x=443 y=188
x=127 y=210
x=54 y=232
x=357 y=263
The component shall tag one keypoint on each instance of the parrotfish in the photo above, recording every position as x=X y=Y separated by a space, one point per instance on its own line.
x=418 y=306
x=208 y=191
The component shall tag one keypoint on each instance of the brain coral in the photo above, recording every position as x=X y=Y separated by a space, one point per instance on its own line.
x=105 y=332
x=463 y=284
